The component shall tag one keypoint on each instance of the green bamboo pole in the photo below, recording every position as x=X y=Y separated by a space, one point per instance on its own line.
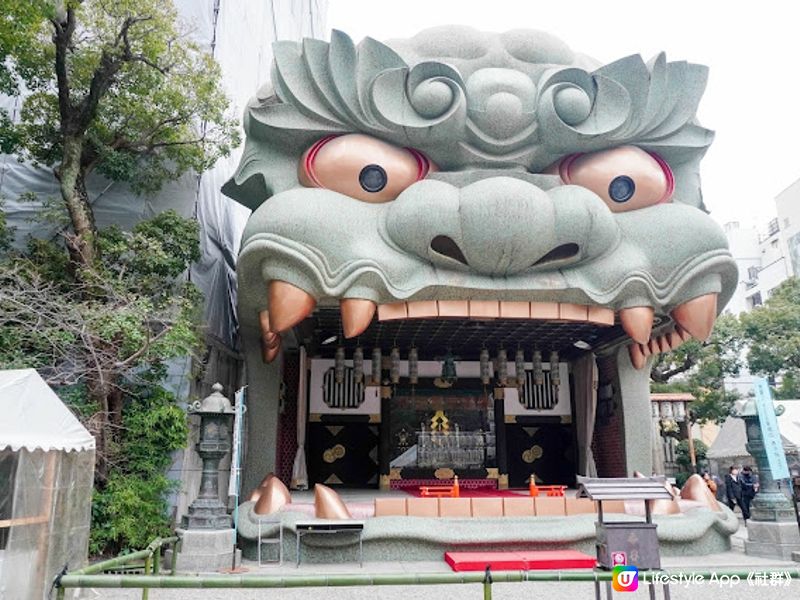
x=360 y=579
x=176 y=547
x=148 y=565
x=126 y=558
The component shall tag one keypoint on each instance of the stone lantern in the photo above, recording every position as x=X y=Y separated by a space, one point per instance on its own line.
x=216 y=418
x=772 y=530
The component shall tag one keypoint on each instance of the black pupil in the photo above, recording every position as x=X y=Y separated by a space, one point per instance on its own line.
x=621 y=188
x=372 y=178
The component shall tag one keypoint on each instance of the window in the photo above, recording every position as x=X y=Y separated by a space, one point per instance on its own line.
x=752 y=273
x=773 y=227
x=755 y=300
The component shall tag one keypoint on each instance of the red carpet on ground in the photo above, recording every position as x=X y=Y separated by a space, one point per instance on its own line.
x=479 y=493
x=525 y=560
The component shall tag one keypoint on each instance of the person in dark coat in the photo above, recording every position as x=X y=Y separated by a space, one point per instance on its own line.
x=748 y=485
x=733 y=490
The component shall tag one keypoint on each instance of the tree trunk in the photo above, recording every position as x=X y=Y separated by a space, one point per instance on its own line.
x=82 y=246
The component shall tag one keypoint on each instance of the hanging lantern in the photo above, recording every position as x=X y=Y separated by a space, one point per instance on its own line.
x=502 y=368
x=376 y=366
x=358 y=365
x=485 y=373
x=519 y=365
x=555 y=377
x=394 y=368
x=538 y=372
x=413 y=366
x=338 y=365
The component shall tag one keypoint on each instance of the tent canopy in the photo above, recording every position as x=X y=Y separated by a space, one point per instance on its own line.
x=732 y=437
x=33 y=416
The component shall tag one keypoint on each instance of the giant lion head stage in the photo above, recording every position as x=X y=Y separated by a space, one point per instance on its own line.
x=479 y=178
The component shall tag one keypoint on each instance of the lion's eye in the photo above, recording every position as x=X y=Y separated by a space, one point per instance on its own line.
x=626 y=178
x=362 y=167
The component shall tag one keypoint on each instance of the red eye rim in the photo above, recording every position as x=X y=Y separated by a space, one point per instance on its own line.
x=423 y=164
x=566 y=162
x=311 y=155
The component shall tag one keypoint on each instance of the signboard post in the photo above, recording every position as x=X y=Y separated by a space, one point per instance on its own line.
x=770 y=433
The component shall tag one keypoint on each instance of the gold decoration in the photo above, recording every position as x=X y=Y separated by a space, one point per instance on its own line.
x=509 y=418
x=376 y=418
x=384 y=482
x=502 y=482
x=396 y=473
x=331 y=455
x=566 y=419
x=532 y=453
x=314 y=418
x=492 y=473
x=439 y=422
x=444 y=473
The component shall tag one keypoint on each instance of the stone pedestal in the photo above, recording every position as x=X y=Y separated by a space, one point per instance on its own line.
x=772 y=539
x=204 y=551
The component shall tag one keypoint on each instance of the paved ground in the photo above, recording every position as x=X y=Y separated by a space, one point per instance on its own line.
x=707 y=590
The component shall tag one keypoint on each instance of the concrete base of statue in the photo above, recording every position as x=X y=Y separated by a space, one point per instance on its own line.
x=204 y=551
x=773 y=539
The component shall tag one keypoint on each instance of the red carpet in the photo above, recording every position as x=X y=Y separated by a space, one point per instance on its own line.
x=479 y=493
x=529 y=560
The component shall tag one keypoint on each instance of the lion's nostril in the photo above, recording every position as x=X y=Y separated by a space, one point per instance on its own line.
x=562 y=252
x=446 y=246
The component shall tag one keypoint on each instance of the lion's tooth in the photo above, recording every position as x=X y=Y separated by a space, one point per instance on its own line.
x=270 y=346
x=654 y=346
x=674 y=339
x=263 y=322
x=357 y=314
x=637 y=321
x=288 y=305
x=697 y=316
x=638 y=360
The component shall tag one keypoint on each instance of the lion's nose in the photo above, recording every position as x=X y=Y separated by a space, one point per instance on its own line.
x=495 y=226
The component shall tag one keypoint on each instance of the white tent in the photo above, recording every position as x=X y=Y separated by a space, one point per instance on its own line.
x=46 y=476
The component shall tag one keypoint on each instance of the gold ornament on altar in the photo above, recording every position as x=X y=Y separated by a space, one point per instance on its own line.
x=532 y=453
x=439 y=422
x=333 y=454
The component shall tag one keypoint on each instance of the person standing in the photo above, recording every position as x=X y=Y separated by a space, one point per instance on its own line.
x=733 y=490
x=747 y=483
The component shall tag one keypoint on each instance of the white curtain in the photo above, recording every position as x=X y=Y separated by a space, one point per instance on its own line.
x=299 y=471
x=584 y=373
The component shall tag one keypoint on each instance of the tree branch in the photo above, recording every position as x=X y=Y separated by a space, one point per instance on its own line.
x=110 y=64
x=62 y=38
